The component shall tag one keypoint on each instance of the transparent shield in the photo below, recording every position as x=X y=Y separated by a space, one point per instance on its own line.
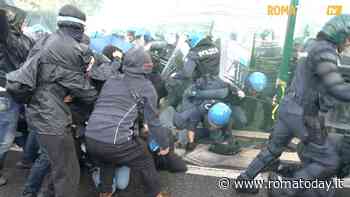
x=176 y=60
x=234 y=62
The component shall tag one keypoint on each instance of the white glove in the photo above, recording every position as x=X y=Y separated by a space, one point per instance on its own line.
x=241 y=94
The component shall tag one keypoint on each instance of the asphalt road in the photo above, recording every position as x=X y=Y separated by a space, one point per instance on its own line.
x=177 y=185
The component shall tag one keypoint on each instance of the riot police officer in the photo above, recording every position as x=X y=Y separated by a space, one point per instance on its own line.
x=317 y=82
x=201 y=68
x=217 y=121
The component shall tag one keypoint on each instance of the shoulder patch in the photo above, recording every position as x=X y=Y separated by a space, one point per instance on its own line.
x=208 y=52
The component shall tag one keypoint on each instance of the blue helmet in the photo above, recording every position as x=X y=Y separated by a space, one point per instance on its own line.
x=195 y=38
x=219 y=114
x=257 y=81
x=139 y=32
x=147 y=36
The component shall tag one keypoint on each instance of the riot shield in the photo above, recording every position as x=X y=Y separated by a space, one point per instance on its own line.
x=234 y=63
x=175 y=87
x=176 y=60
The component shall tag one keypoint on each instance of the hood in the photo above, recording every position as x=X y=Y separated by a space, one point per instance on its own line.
x=137 y=62
x=16 y=17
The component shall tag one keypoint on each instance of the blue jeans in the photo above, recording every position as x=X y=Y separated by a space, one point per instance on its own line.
x=41 y=165
x=31 y=148
x=120 y=179
x=9 y=111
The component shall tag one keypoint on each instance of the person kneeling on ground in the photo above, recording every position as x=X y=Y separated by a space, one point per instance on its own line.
x=217 y=127
x=111 y=134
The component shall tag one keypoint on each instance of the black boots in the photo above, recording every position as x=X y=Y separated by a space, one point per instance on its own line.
x=3 y=180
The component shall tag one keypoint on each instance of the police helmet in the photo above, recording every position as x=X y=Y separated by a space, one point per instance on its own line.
x=219 y=114
x=257 y=81
x=194 y=39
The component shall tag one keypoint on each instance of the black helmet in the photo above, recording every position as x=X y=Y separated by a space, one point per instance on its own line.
x=69 y=15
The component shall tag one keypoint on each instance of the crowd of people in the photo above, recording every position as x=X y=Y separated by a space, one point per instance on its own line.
x=101 y=108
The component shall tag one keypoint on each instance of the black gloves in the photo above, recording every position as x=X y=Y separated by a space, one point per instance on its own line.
x=171 y=162
x=4 y=26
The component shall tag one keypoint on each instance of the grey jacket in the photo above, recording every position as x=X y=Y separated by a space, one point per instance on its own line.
x=116 y=111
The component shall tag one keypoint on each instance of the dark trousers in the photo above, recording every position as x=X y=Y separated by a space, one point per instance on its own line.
x=133 y=154
x=65 y=170
x=40 y=167
x=31 y=148
x=320 y=161
x=289 y=126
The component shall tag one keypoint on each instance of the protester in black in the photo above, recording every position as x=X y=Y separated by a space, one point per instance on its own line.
x=112 y=135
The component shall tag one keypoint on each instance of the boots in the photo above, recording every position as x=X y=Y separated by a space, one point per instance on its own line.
x=283 y=191
x=106 y=194
x=29 y=195
x=3 y=180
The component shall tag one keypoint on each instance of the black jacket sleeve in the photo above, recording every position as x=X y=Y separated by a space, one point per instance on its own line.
x=4 y=26
x=189 y=67
x=152 y=119
x=78 y=86
x=327 y=69
x=18 y=47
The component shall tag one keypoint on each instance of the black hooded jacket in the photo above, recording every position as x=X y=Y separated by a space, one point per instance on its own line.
x=116 y=111
x=103 y=69
x=14 y=45
x=60 y=73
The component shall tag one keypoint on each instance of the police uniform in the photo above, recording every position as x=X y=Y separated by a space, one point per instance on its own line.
x=315 y=83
